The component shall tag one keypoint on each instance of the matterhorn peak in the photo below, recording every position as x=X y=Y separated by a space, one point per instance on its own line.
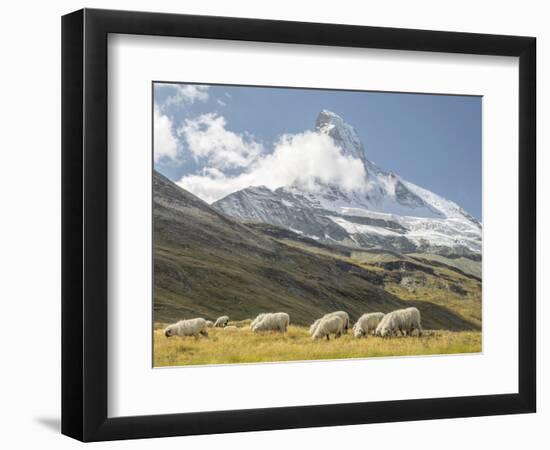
x=327 y=113
x=387 y=212
x=343 y=134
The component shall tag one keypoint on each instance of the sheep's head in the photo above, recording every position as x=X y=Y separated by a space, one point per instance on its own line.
x=169 y=331
x=385 y=331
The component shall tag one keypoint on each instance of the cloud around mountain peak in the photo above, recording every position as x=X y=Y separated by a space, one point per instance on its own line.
x=232 y=161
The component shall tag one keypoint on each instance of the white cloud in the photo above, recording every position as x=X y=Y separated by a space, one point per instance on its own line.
x=305 y=160
x=185 y=94
x=221 y=102
x=165 y=142
x=208 y=140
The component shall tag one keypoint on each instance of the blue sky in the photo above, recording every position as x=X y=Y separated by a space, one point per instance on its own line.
x=208 y=133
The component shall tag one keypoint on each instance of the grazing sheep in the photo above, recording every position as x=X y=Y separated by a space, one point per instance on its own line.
x=404 y=321
x=258 y=319
x=344 y=315
x=230 y=328
x=209 y=323
x=381 y=325
x=412 y=321
x=367 y=323
x=273 y=322
x=190 y=327
x=329 y=325
x=314 y=326
x=221 y=321
x=390 y=324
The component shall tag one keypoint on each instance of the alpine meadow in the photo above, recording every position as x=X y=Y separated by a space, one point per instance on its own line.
x=277 y=238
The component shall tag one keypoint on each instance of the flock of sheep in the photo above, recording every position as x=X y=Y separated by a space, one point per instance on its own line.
x=402 y=321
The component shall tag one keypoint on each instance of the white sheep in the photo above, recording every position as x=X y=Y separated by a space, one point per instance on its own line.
x=412 y=321
x=209 y=323
x=258 y=319
x=367 y=323
x=273 y=322
x=314 y=325
x=329 y=325
x=221 y=321
x=190 y=327
x=344 y=315
x=390 y=324
x=404 y=321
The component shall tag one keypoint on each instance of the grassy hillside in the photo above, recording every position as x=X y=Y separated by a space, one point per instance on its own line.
x=465 y=265
x=441 y=288
x=244 y=346
x=433 y=279
x=206 y=264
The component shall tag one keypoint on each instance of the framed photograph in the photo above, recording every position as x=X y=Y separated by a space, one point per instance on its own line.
x=273 y=224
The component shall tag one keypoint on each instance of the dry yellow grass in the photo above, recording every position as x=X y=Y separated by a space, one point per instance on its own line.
x=244 y=346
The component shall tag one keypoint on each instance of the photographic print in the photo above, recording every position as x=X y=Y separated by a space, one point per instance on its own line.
x=301 y=224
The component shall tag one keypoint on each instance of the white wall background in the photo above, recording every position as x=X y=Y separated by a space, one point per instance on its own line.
x=30 y=222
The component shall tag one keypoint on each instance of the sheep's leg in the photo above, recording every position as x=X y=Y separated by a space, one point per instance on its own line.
x=328 y=338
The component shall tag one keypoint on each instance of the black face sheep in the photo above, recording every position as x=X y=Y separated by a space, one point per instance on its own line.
x=367 y=323
x=329 y=325
x=190 y=327
x=273 y=322
x=221 y=321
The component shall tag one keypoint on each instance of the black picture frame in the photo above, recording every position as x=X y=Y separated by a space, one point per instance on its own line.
x=84 y=224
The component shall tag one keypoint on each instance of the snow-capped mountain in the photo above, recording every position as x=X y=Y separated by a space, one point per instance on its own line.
x=389 y=212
